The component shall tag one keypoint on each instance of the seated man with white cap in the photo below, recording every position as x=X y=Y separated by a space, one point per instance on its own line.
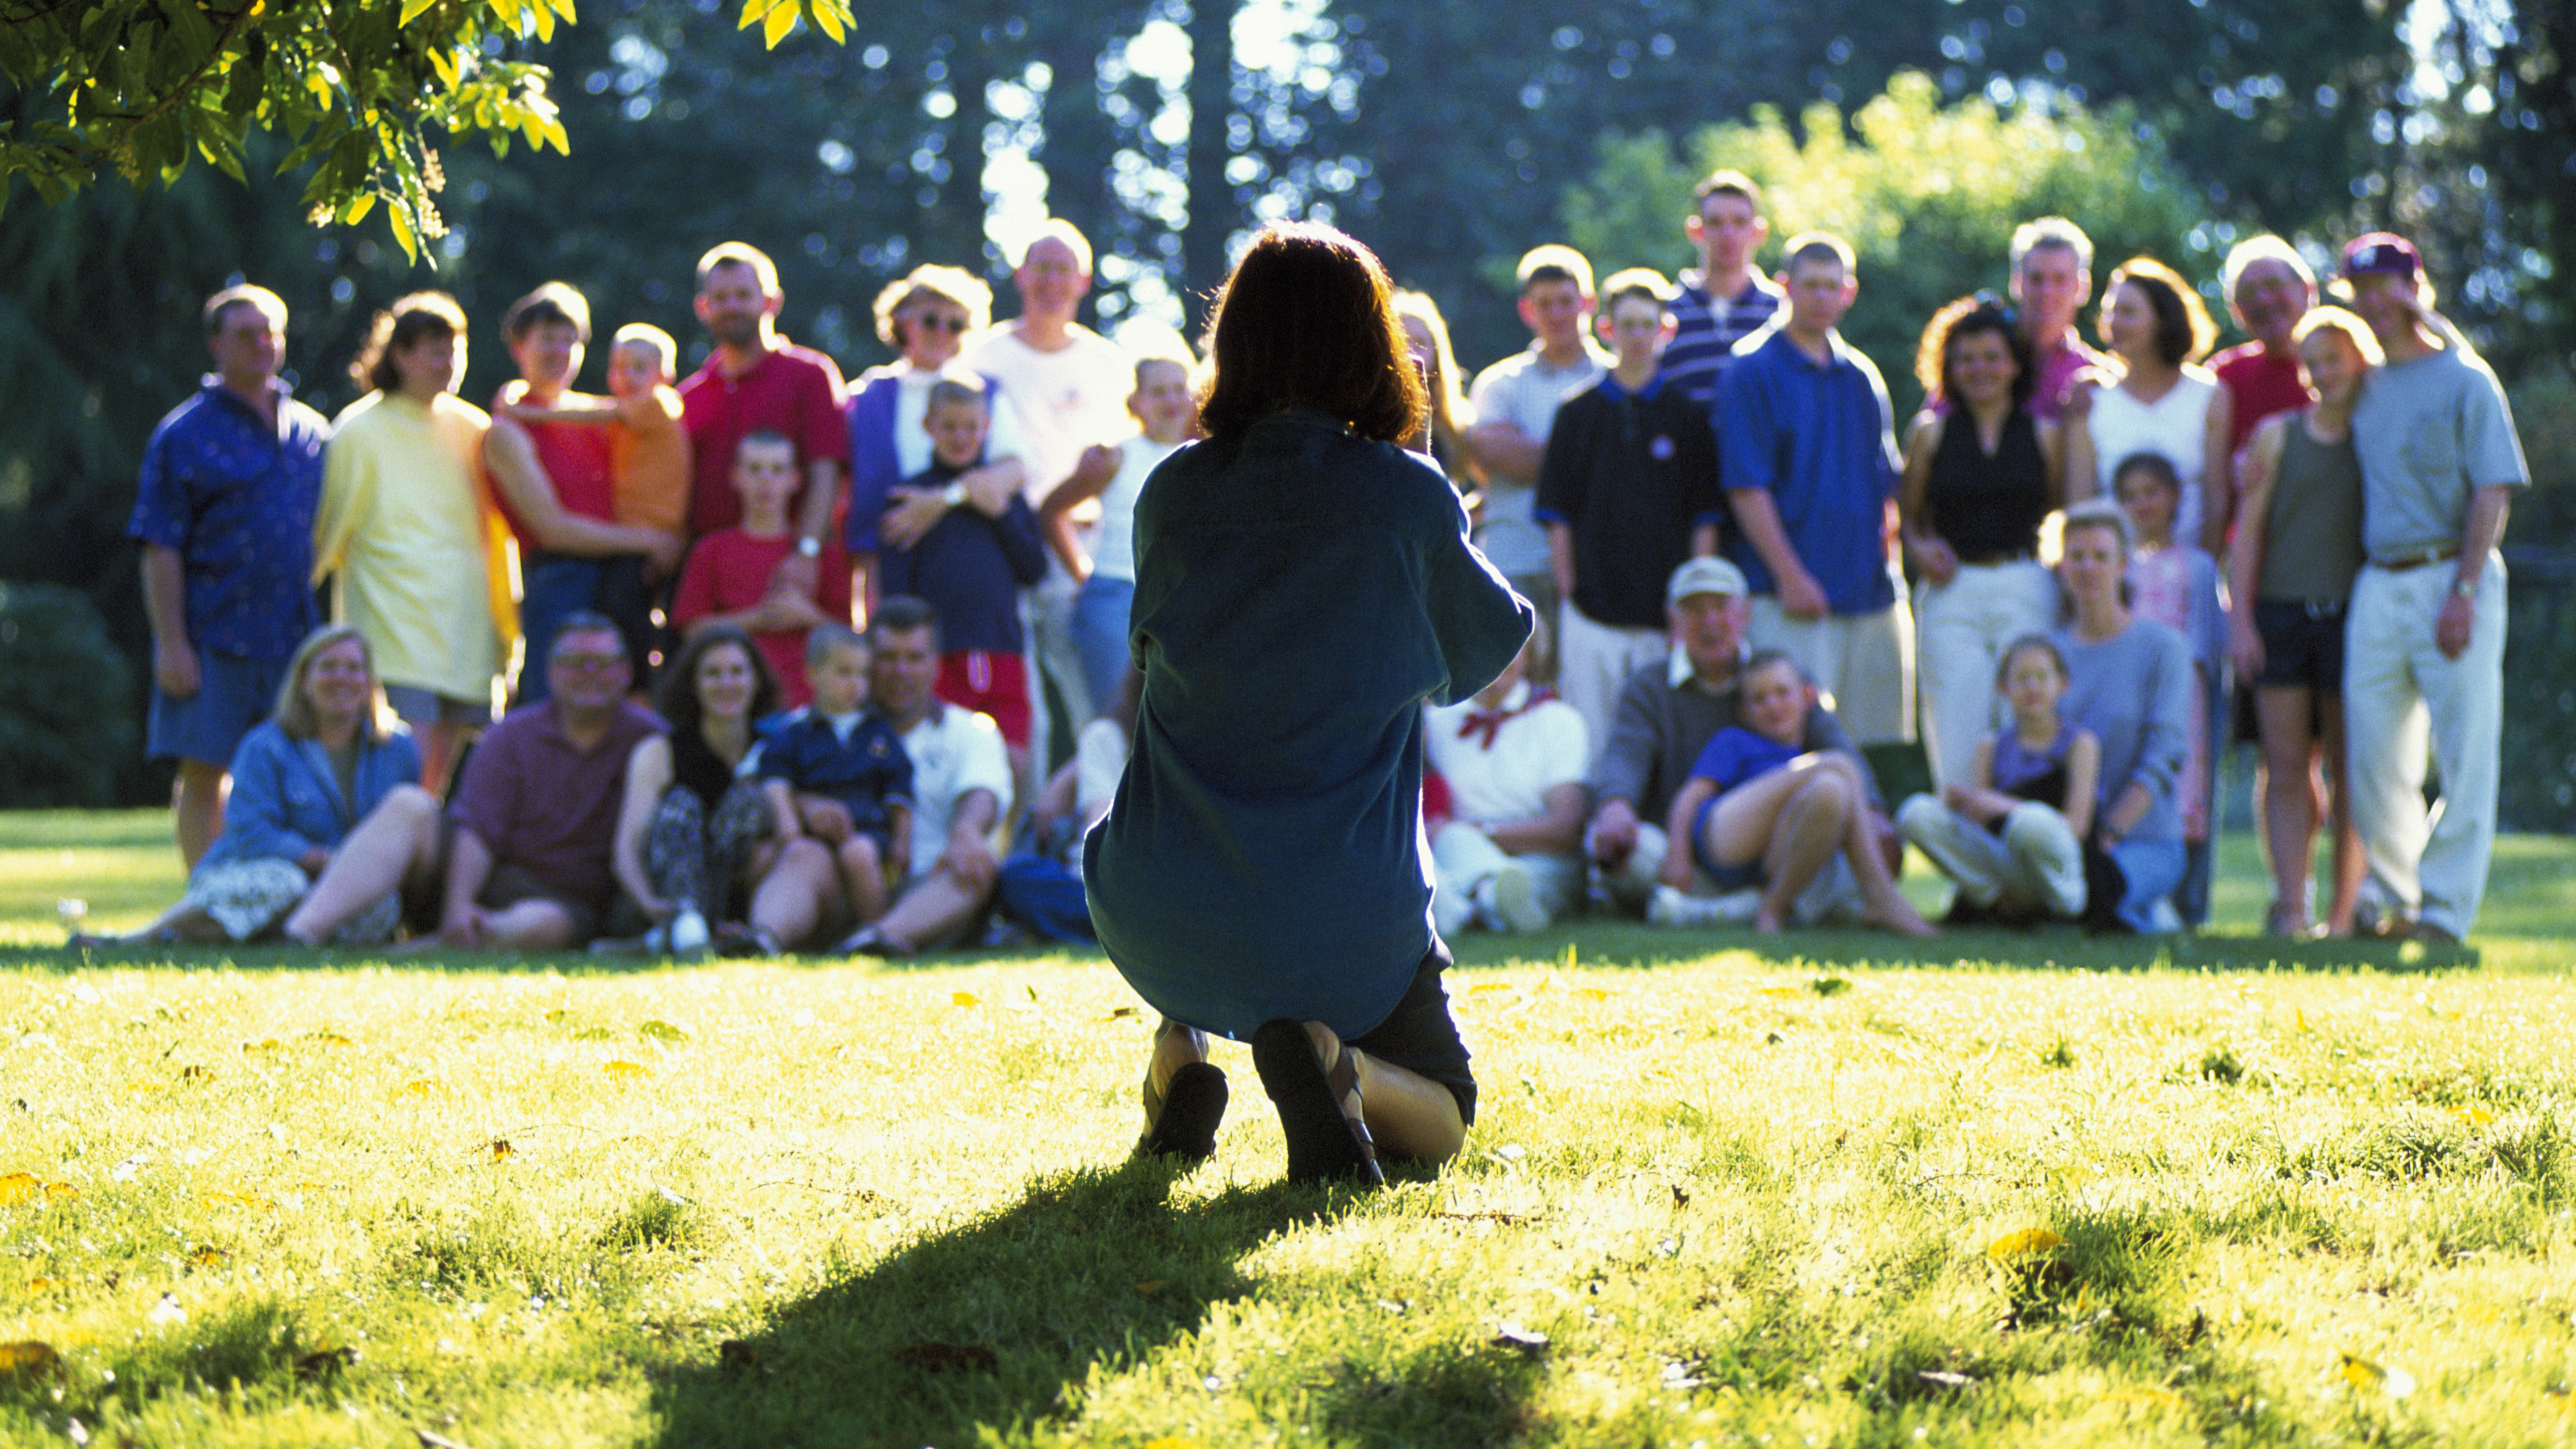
x=1665 y=717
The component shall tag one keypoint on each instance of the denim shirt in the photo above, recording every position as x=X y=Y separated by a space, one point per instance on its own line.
x=286 y=798
x=1299 y=593
x=234 y=498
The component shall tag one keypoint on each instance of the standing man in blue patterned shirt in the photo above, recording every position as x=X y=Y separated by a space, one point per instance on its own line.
x=224 y=512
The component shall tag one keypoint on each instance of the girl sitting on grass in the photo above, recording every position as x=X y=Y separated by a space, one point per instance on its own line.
x=1303 y=584
x=2012 y=834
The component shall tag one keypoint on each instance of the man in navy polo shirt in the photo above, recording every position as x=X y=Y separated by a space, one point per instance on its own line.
x=224 y=511
x=1807 y=450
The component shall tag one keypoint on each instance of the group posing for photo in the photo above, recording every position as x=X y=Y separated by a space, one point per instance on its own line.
x=1269 y=672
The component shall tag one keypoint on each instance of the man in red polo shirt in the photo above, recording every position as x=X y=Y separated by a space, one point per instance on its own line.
x=756 y=380
x=2269 y=288
x=554 y=485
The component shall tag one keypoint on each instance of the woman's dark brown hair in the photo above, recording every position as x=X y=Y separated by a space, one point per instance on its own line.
x=1308 y=320
x=677 y=698
x=408 y=320
x=2184 y=332
x=1963 y=318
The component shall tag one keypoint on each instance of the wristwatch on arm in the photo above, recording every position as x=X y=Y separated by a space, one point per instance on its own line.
x=809 y=547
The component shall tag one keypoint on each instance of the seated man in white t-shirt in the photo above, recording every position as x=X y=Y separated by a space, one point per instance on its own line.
x=961 y=789
x=1510 y=854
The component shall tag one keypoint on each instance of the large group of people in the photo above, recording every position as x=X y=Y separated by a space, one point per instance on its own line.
x=1271 y=670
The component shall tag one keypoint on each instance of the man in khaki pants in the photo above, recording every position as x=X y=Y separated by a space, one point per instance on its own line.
x=2424 y=644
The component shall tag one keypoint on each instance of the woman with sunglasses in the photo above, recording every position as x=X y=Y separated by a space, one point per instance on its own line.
x=925 y=316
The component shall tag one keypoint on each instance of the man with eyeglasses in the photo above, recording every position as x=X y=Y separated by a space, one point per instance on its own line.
x=535 y=820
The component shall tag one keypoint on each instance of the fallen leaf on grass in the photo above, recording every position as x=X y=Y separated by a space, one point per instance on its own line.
x=2475 y=1116
x=1523 y=1340
x=949 y=1358
x=1944 y=1378
x=418 y=1089
x=1681 y=1196
x=196 y=1074
x=324 y=1363
x=501 y=1148
x=1481 y=987
x=1119 y=1013
x=1592 y=993
x=43 y=1285
x=627 y=1069
x=1153 y=1285
x=2361 y=1373
x=209 y=1257
x=661 y=1031
x=328 y=1038
x=29 y=1358
x=965 y=998
x=1786 y=993
x=242 y=1199
x=20 y=1187
x=1829 y=985
x=270 y=1044
x=429 y=1440
x=2012 y=1247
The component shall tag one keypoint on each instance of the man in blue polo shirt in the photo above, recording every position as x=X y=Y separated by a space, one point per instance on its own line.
x=224 y=512
x=1807 y=449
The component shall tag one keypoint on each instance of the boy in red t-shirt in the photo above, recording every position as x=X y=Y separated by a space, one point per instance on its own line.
x=728 y=578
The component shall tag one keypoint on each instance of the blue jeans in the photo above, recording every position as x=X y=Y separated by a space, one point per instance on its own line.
x=1100 y=614
x=2153 y=869
x=560 y=585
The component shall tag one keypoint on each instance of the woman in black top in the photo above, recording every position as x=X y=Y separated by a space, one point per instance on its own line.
x=1981 y=471
x=691 y=828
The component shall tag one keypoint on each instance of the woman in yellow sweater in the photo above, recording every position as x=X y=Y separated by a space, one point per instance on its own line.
x=408 y=524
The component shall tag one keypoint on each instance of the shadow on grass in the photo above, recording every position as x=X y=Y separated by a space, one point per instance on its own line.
x=1001 y=1323
x=1630 y=944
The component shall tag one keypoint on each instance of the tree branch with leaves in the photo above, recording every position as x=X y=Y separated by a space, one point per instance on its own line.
x=143 y=88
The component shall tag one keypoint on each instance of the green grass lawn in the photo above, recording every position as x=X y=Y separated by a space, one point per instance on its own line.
x=1825 y=1190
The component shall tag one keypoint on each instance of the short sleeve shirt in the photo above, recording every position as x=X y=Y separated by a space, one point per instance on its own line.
x=954 y=751
x=1064 y=401
x=1736 y=755
x=729 y=570
x=1705 y=331
x=2258 y=384
x=543 y=804
x=579 y=461
x=1505 y=774
x=1819 y=437
x=235 y=499
x=1525 y=390
x=2429 y=432
x=792 y=390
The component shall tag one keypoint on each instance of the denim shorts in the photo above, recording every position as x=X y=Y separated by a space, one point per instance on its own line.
x=2302 y=644
x=233 y=694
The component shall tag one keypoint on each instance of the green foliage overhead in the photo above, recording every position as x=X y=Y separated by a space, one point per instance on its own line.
x=139 y=88
x=1928 y=197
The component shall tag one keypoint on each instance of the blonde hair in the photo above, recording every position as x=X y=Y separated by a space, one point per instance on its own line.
x=294 y=711
x=927 y=282
x=2336 y=319
x=645 y=334
x=1451 y=415
x=739 y=254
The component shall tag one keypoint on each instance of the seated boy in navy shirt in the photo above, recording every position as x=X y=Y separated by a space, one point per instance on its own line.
x=970 y=568
x=835 y=771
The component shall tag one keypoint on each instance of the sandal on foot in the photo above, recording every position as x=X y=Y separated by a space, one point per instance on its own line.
x=1181 y=1120
x=1324 y=1145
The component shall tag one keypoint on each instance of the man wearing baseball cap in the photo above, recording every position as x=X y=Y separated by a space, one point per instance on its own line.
x=1665 y=716
x=2424 y=641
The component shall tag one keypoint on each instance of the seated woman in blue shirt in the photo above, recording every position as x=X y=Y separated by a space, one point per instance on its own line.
x=1303 y=584
x=327 y=829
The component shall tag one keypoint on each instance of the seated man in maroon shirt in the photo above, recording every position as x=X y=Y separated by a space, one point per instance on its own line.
x=756 y=380
x=536 y=817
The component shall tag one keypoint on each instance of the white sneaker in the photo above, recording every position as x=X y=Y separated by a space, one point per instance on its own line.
x=1513 y=902
x=1670 y=907
x=688 y=933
